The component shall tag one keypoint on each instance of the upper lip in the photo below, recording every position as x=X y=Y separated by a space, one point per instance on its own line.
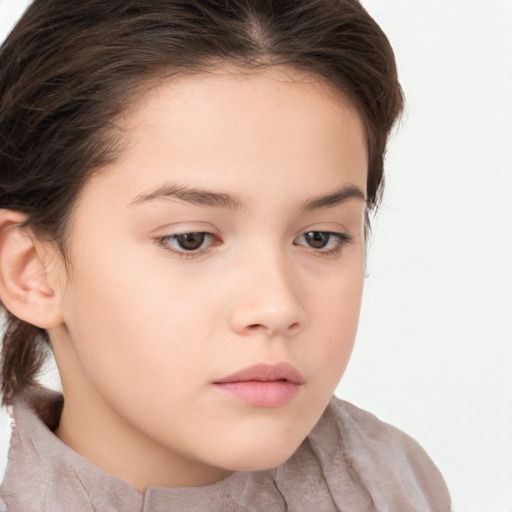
x=265 y=372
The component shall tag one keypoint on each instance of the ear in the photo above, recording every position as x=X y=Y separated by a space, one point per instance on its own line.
x=28 y=289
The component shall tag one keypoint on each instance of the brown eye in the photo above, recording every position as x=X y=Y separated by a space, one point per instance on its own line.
x=183 y=243
x=317 y=239
x=327 y=243
x=189 y=245
x=190 y=241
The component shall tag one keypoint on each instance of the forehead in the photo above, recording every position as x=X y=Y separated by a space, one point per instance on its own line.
x=229 y=128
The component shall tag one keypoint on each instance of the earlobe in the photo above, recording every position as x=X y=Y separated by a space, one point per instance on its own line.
x=27 y=289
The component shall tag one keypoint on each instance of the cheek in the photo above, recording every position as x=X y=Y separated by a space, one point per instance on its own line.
x=335 y=317
x=144 y=319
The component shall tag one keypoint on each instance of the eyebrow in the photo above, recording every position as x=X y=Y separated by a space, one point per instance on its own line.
x=335 y=198
x=196 y=196
x=209 y=198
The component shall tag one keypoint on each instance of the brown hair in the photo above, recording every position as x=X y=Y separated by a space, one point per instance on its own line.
x=69 y=68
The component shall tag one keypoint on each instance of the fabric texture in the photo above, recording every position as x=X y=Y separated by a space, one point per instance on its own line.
x=351 y=462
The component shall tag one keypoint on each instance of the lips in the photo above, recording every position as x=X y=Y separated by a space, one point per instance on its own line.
x=262 y=385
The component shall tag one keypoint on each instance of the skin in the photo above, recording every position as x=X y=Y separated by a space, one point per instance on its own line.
x=147 y=327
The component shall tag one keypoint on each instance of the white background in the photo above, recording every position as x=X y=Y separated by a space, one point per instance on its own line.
x=434 y=353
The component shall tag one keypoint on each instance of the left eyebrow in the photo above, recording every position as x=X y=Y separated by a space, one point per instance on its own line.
x=335 y=198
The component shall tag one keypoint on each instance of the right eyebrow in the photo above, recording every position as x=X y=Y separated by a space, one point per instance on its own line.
x=197 y=196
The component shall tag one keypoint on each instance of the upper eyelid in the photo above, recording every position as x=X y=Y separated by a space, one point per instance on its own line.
x=341 y=234
x=343 y=238
x=183 y=228
x=212 y=236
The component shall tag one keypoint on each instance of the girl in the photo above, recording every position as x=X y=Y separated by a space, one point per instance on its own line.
x=185 y=191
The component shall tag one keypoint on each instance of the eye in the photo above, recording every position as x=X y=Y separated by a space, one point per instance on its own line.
x=317 y=239
x=187 y=243
x=325 y=242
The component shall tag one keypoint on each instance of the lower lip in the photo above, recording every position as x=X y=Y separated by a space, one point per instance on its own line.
x=260 y=394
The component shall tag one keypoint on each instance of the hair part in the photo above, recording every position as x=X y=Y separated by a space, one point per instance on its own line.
x=68 y=70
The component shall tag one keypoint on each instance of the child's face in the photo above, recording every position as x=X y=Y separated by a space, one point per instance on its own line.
x=262 y=167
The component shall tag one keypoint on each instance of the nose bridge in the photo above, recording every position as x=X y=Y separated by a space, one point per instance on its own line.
x=268 y=297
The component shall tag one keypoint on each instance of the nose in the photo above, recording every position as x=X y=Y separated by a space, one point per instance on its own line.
x=268 y=299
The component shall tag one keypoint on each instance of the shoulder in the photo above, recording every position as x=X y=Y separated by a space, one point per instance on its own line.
x=383 y=461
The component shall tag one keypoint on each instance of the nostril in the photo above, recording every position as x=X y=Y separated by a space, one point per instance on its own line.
x=260 y=327
x=254 y=327
x=294 y=327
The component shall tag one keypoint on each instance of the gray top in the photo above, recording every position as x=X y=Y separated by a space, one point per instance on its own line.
x=351 y=462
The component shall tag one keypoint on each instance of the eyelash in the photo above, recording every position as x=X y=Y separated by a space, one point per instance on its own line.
x=165 y=242
x=342 y=239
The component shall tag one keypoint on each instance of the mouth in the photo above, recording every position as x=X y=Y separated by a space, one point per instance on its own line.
x=262 y=385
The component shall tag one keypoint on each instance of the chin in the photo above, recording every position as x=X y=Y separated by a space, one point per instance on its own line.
x=260 y=457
